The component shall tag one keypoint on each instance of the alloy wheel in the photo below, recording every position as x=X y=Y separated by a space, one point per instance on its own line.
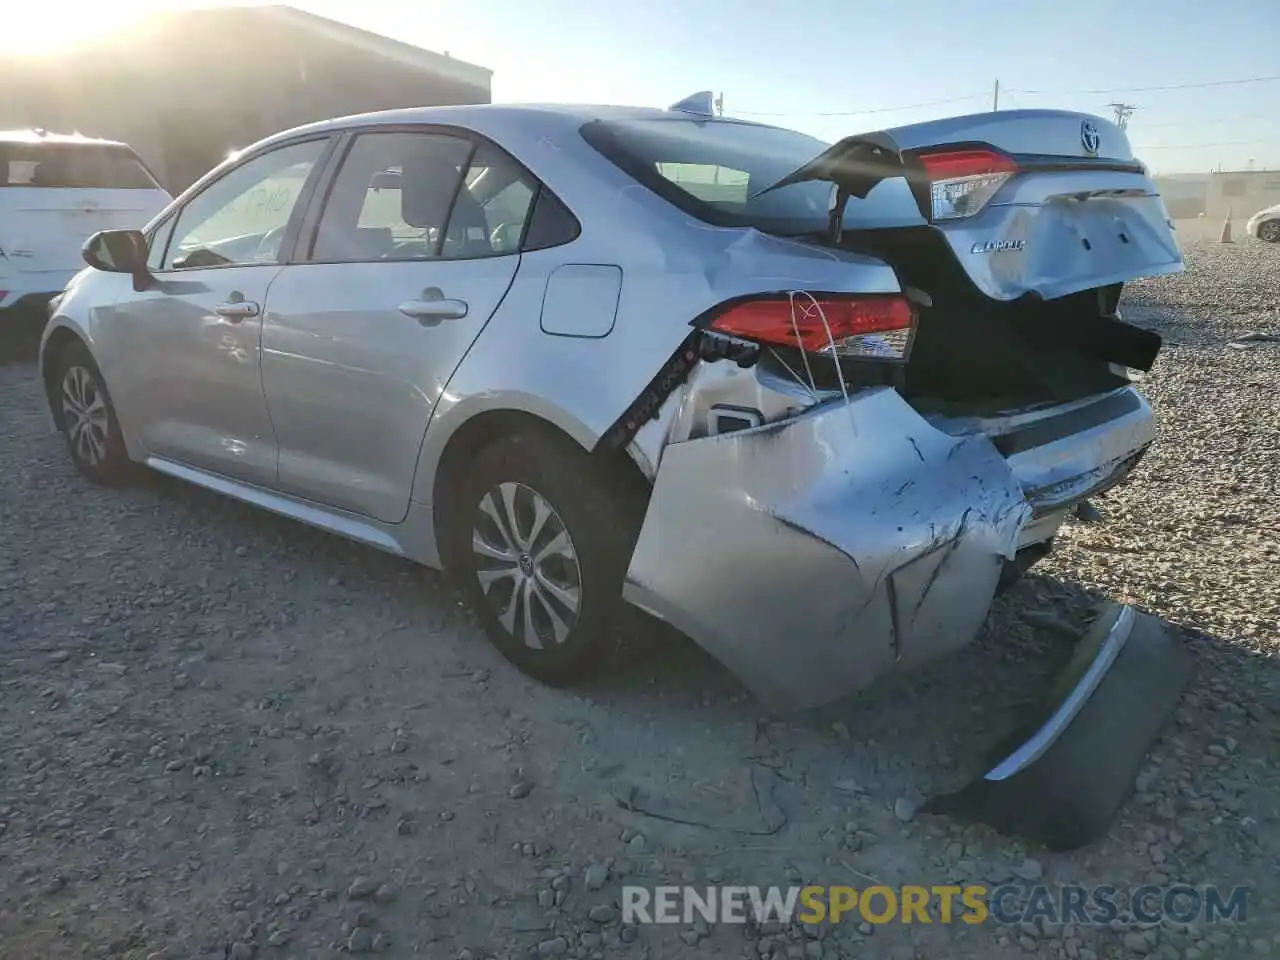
x=84 y=415
x=1269 y=231
x=526 y=564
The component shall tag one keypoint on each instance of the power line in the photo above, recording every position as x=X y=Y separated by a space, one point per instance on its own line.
x=1198 y=146
x=1003 y=91
x=1192 y=123
x=857 y=113
x=1171 y=86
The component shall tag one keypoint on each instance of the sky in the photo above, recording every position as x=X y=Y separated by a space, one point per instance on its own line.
x=837 y=67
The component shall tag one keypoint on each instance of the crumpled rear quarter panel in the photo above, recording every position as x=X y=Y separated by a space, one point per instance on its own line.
x=810 y=556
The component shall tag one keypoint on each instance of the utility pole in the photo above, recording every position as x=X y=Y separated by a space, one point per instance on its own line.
x=995 y=96
x=719 y=104
x=1123 y=112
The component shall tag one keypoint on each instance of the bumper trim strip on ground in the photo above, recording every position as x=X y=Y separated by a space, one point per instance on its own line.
x=1030 y=751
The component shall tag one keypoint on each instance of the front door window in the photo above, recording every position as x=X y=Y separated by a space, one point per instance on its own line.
x=241 y=218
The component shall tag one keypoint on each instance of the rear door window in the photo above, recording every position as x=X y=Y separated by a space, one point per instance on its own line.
x=503 y=195
x=391 y=198
x=423 y=196
x=73 y=166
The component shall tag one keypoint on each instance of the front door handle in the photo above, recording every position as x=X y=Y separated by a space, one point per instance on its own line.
x=236 y=309
x=432 y=307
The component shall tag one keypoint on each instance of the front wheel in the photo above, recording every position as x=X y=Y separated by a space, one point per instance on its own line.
x=540 y=535
x=1269 y=231
x=88 y=418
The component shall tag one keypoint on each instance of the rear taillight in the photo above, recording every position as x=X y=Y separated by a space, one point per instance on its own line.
x=866 y=327
x=961 y=182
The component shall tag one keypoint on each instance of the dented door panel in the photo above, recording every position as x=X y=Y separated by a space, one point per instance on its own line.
x=845 y=540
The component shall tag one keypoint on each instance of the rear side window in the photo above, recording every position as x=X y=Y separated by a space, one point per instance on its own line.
x=550 y=223
x=71 y=165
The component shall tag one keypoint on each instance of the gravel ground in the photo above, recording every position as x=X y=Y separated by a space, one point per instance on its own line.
x=227 y=735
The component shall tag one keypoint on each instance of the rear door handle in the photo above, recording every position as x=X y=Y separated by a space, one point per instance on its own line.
x=236 y=310
x=432 y=307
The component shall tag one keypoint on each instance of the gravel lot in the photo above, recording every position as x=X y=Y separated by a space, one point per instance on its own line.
x=227 y=735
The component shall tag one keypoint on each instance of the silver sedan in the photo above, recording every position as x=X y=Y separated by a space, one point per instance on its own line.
x=810 y=403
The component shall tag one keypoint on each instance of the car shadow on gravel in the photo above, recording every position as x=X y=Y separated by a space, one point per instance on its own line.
x=20 y=331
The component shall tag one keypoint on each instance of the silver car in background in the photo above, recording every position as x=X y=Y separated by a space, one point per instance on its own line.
x=808 y=403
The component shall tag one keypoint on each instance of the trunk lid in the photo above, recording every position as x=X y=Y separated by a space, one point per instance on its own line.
x=1066 y=206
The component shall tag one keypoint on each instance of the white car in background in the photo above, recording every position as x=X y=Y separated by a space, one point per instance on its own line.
x=56 y=192
x=1265 y=224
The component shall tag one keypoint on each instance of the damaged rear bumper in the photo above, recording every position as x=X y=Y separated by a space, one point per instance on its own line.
x=813 y=555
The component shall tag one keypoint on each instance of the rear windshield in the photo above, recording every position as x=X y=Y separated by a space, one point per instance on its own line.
x=713 y=169
x=93 y=166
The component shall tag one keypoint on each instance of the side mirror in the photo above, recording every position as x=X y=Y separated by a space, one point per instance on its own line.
x=119 y=251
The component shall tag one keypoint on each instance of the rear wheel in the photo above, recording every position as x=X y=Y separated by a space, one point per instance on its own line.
x=87 y=417
x=539 y=537
x=1269 y=231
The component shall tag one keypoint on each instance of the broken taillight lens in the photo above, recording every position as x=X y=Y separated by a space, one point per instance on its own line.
x=961 y=182
x=866 y=327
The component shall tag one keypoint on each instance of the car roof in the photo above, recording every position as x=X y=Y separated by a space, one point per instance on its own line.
x=491 y=114
x=32 y=136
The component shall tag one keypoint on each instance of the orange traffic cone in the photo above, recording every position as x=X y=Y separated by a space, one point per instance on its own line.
x=1225 y=236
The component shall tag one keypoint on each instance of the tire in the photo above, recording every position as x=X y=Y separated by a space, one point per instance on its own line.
x=1269 y=231
x=88 y=419
x=550 y=603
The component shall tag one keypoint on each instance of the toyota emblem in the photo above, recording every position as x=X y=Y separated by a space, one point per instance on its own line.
x=1090 y=138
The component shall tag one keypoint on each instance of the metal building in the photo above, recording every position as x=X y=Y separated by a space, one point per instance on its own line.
x=186 y=87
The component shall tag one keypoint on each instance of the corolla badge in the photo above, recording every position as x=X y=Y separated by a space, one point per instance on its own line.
x=1090 y=139
x=997 y=246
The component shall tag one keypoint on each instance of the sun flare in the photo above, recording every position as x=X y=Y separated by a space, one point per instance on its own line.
x=51 y=28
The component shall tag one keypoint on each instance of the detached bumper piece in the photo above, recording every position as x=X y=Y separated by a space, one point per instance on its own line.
x=1061 y=778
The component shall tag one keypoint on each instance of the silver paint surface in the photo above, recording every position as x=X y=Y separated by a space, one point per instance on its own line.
x=836 y=553
x=837 y=540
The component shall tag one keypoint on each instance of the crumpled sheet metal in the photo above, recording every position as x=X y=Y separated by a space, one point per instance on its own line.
x=810 y=558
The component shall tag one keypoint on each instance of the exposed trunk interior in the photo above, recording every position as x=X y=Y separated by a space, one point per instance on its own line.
x=975 y=355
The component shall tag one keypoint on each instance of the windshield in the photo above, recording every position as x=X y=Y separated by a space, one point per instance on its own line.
x=712 y=168
x=68 y=165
